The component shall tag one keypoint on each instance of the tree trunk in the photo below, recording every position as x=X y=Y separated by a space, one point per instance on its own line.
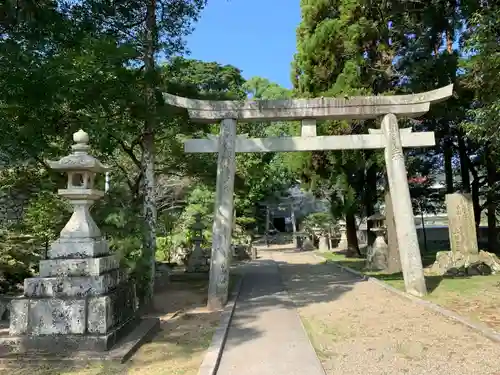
x=352 y=237
x=148 y=159
x=475 y=202
x=370 y=198
x=464 y=160
x=448 y=167
x=492 y=220
x=424 y=235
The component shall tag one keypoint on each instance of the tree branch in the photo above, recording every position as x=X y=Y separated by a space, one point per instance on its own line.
x=129 y=150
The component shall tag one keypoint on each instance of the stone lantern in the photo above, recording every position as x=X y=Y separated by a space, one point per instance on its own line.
x=342 y=245
x=197 y=260
x=81 y=169
x=197 y=229
x=82 y=300
x=377 y=254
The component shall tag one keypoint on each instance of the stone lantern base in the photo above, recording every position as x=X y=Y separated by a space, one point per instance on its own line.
x=83 y=304
x=198 y=261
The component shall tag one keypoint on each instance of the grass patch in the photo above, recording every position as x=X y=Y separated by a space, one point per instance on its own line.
x=319 y=336
x=475 y=297
x=358 y=264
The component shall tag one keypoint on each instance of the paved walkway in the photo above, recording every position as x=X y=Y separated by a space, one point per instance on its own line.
x=266 y=336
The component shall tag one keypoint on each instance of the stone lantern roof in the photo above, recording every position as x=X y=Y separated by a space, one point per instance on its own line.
x=198 y=224
x=376 y=217
x=79 y=160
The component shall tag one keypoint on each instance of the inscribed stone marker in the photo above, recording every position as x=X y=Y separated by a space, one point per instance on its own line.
x=461 y=223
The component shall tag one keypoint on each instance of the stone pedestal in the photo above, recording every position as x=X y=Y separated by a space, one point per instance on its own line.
x=81 y=299
x=197 y=260
x=323 y=243
x=88 y=313
x=308 y=245
x=453 y=263
x=253 y=251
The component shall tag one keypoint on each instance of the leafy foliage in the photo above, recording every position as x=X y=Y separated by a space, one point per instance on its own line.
x=102 y=66
x=322 y=222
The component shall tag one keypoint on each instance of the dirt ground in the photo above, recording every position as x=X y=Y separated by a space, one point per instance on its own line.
x=178 y=349
x=357 y=327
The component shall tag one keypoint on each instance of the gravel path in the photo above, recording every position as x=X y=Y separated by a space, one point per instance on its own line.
x=357 y=327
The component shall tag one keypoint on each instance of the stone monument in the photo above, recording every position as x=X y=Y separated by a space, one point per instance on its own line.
x=81 y=299
x=464 y=257
x=461 y=223
x=323 y=242
x=376 y=257
x=198 y=261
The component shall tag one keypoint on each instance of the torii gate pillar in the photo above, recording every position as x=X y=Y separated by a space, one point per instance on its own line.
x=406 y=233
x=218 y=287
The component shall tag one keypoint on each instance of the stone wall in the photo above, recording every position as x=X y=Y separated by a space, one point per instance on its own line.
x=12 y=205
x=438 y=238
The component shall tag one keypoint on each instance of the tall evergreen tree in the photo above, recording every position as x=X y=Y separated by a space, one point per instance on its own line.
x=343 y=50
x=482 y=64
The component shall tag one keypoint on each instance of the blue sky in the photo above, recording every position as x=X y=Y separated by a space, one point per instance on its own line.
x=256 y=36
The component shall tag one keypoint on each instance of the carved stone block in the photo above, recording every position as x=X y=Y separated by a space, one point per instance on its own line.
x=78 y=248
x=461 y=223
x=106 y=312
x=19 y=316
x=78 y=267
x=79 y=286
x=55 y=316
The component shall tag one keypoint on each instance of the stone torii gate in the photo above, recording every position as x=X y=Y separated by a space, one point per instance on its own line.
x=389 y=137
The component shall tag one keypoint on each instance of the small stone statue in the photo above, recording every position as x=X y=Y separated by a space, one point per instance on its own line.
x=376 y=258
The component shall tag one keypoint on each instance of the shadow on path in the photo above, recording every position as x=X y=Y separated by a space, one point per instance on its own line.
x=266 y=335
